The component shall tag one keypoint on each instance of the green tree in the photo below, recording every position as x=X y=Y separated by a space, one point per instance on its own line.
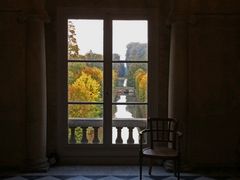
x=132 y=68
x=136 y=51
x=93 y=56
x=116 y=57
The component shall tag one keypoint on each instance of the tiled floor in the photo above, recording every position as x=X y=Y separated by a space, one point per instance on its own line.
x=114 y=173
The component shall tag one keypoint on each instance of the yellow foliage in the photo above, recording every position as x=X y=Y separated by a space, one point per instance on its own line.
x=84 y=89
x=140 y=77
x=94 y=72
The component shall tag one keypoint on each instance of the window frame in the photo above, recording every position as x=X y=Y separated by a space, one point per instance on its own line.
x=81 y=151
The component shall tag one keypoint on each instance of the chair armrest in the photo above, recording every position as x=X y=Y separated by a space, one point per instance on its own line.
x=144 y=131
x=141 y=137
x=179 y=134
x=179 y=137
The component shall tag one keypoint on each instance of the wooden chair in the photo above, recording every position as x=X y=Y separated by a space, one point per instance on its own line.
x=164 y=143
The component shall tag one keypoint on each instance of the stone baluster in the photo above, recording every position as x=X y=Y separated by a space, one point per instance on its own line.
x=72 y=137
x=119 y=139
x=130 y=137
x=95 y=140
x=84 y=135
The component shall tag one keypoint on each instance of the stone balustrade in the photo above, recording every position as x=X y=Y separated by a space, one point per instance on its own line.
x=89 y=130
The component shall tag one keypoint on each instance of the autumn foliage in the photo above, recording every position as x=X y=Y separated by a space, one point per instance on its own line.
x=140 y=77
x=84 y=81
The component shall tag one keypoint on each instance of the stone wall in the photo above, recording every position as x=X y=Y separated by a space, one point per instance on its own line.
x=211 y=74
x=13 y=84
x=213 y=88
x=208 y=80
x=23 y=92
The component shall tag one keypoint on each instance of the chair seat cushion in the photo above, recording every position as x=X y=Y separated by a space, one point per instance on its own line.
x=161 y=152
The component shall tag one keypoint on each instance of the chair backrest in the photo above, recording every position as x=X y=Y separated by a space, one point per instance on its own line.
x=163 y=131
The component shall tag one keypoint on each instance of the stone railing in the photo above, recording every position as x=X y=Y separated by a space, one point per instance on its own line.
x=90 y=130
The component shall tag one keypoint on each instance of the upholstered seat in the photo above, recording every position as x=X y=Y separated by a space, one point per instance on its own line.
x=163 y=152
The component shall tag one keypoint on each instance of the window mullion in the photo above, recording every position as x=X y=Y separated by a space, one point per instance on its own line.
x=107 y=122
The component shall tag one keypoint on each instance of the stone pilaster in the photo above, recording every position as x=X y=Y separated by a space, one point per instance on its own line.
x=178 y=80
x=36 y=96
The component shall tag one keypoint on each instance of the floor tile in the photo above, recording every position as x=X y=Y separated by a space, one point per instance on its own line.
x=15 y=178
x=78 y=178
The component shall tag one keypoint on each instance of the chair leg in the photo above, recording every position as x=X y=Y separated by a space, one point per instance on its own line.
x=150 y=170
x=178 y=169
x=140 y=166
x=150 y=167
x=175 y=168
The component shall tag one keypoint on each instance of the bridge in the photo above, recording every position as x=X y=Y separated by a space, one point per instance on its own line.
x=125 y=90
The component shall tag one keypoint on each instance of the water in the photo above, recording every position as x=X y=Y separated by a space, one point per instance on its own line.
x=122 y=111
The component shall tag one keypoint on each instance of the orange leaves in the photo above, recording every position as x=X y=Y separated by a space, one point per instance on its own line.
x=95 y=73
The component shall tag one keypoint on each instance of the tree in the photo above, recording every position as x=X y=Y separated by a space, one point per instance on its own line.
x=74 y=71
x=94 y=72
x=84 y=82
x=132 y=68
x=140 y=77
x=87 y=89
x=122 y=70
x=116 y=57
x=73 y=49
x=142 y=85
x=136 y=51
x=116 y=66
x=93 y=56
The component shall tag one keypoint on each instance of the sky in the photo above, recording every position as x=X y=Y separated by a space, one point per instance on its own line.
x=89 y=35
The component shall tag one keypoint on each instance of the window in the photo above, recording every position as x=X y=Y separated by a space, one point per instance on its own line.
x=104 y=82
x=130 y=72
x=86 y=80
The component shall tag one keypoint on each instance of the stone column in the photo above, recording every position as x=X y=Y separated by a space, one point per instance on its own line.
x=36 y=96
x=178 y=78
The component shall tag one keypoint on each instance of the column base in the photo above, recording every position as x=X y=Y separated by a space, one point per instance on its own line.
x=41 y=165
x=169 y=166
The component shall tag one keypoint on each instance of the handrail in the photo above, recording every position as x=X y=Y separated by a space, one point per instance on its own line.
x=97 y=122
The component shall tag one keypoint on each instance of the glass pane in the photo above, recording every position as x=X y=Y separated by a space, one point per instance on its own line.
x=85 y=39
x=85 y=122
x=130 y=82
x=129 y=111
x=130 y=40
x=85 y=82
